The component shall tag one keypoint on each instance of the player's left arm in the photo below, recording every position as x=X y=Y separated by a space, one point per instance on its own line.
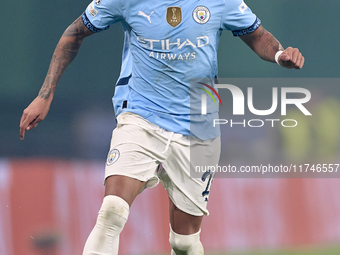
x=265 y=45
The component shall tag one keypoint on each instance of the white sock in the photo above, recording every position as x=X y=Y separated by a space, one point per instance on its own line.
x=186 y=244
x=104 y=238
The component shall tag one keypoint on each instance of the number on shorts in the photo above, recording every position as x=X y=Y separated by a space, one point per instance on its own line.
x=204 y=178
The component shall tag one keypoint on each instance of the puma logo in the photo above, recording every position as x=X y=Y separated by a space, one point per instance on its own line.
x=146 y=16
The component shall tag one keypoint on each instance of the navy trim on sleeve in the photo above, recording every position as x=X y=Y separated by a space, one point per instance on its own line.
x=124 y=81
x=90 y=26
x=248 y=30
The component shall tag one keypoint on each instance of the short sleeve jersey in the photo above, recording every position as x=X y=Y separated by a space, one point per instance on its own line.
x=167 y=43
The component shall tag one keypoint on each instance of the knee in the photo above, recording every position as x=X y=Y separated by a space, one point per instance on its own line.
x=113 y=212
x=186 y=244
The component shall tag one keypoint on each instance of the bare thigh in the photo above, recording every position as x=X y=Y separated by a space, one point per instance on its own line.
x=124 y=187
x=183 y=223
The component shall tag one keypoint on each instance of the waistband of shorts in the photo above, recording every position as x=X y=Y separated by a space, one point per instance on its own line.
x=131 y=118
x=135 y=119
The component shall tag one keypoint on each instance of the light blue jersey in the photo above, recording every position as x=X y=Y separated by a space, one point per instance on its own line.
x=166 y=44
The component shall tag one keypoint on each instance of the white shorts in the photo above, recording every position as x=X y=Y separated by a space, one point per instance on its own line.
x=149 y=153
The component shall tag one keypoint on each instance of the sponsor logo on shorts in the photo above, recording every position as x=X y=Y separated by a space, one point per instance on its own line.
x=112 y=157
x=201 y=14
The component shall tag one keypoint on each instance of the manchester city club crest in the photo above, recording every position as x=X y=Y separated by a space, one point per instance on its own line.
x=201 y=14
x=112 y=157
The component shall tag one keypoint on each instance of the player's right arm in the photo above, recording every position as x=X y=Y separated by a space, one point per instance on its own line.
x=66 y=50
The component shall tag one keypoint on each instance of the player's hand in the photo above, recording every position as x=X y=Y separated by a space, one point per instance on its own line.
x=33 y=114
x=291 y=58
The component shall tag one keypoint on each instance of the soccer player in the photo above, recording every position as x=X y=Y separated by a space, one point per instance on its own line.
x=166 y=44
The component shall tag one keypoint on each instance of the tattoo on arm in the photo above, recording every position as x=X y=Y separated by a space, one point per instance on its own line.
x=262 y=31
x=268 y=47
x=263 y=43
x=63 y=55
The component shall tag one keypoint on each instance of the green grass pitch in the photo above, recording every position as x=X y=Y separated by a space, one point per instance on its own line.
x=308 y=250
x=330 y=250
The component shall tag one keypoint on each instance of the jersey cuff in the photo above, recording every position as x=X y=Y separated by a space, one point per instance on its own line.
x=89 y=25
x=248 y=30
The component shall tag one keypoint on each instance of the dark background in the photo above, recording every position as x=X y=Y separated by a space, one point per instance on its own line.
x=81 y=117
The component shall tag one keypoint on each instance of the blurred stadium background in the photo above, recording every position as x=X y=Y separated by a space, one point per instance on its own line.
x=51 y=183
